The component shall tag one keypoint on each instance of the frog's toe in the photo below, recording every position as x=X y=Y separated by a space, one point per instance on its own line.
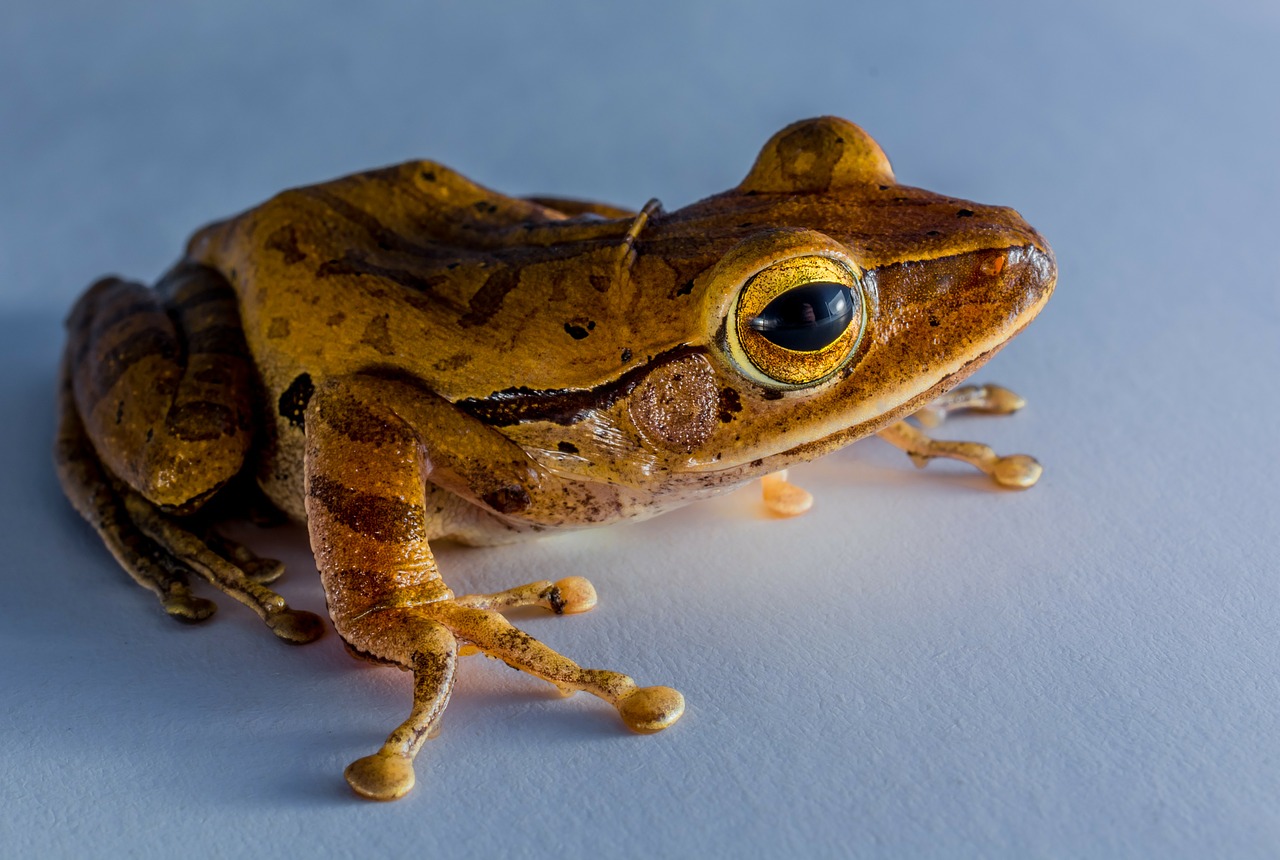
x=188 y=608
x=263 y=570
x=1002 y=401
x=577 y=594
x=1017 y=471
x=296 y=626
x=381 y=776
x=651 y=709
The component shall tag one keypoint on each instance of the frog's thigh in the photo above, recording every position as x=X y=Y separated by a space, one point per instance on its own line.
x=161 y=380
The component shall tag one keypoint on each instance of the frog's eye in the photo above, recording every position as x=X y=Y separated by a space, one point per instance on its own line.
x=807 y=318
x=798 y=320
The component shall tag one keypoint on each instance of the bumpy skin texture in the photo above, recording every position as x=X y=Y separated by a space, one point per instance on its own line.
x=403 y=355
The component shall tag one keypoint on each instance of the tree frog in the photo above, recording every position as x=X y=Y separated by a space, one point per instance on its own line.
x=402 y=355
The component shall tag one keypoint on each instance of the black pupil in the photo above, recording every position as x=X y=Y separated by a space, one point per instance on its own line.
x=807 y=318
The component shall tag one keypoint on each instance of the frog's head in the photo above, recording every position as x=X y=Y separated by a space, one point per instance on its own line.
x=853 y=303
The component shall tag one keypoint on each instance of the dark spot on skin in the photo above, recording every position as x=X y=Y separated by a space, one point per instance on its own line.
x=294 y=400
x=453 y=362
x=933 y=321
x=429 y=175
x=556 y=600
x=685 y=288
x=383 y=519
x=626 y=355
x=567 y=448
x=730 y=403
x=453 y=266
x=752 y=193
x=119 y=411
x=884 y=187
x=508 y=500
x=576 y=332
x=336 y=319
x=755 y=464
x=965 y=213
x=771 y=394
x=377 y=335
x=600 y=283
x=285 y=240
x=934 y=233
x=279 y=328
x=744 y=225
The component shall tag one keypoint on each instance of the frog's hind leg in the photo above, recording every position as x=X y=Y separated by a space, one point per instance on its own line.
x=1016 y=471
x=94 y=497
x=155 y=421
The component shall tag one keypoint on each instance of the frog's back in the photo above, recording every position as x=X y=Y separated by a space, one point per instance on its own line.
x=416 y=267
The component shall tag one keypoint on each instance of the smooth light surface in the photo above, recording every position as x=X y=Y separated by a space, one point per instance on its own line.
x=920 y=666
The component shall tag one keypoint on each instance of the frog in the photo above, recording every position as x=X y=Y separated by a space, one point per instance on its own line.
x=403 y=356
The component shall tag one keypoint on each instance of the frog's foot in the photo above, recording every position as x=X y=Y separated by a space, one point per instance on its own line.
x=988 y=399
x=388 y=773
x=292 y=625
x=642 y=709
x=431 y=636
x=782 y=498
x=259 y=569
x=1016 y=471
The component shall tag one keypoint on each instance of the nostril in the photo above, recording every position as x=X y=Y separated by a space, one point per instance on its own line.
x=993 y=266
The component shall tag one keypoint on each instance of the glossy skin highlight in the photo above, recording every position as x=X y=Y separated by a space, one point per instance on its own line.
x=402 y=355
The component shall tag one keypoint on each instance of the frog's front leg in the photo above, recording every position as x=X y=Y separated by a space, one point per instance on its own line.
x=372 y=446
x=1017 y=471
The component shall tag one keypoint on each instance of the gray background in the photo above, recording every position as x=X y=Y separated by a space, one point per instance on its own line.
x=923 y=666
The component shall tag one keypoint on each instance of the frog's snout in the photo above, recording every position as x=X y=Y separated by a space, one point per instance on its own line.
x=1035 y=272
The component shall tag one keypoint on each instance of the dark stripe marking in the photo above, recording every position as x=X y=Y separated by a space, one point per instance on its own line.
x=355 y=263
x=132 y=350
x=385 y=237
x=383 y=519
x=218 y=340
x=488 y=299
x=564 y=406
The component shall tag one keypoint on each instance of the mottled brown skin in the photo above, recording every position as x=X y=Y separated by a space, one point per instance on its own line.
x=402 y=355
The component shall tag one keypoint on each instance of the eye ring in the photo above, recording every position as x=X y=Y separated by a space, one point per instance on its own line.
x=798 y=320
